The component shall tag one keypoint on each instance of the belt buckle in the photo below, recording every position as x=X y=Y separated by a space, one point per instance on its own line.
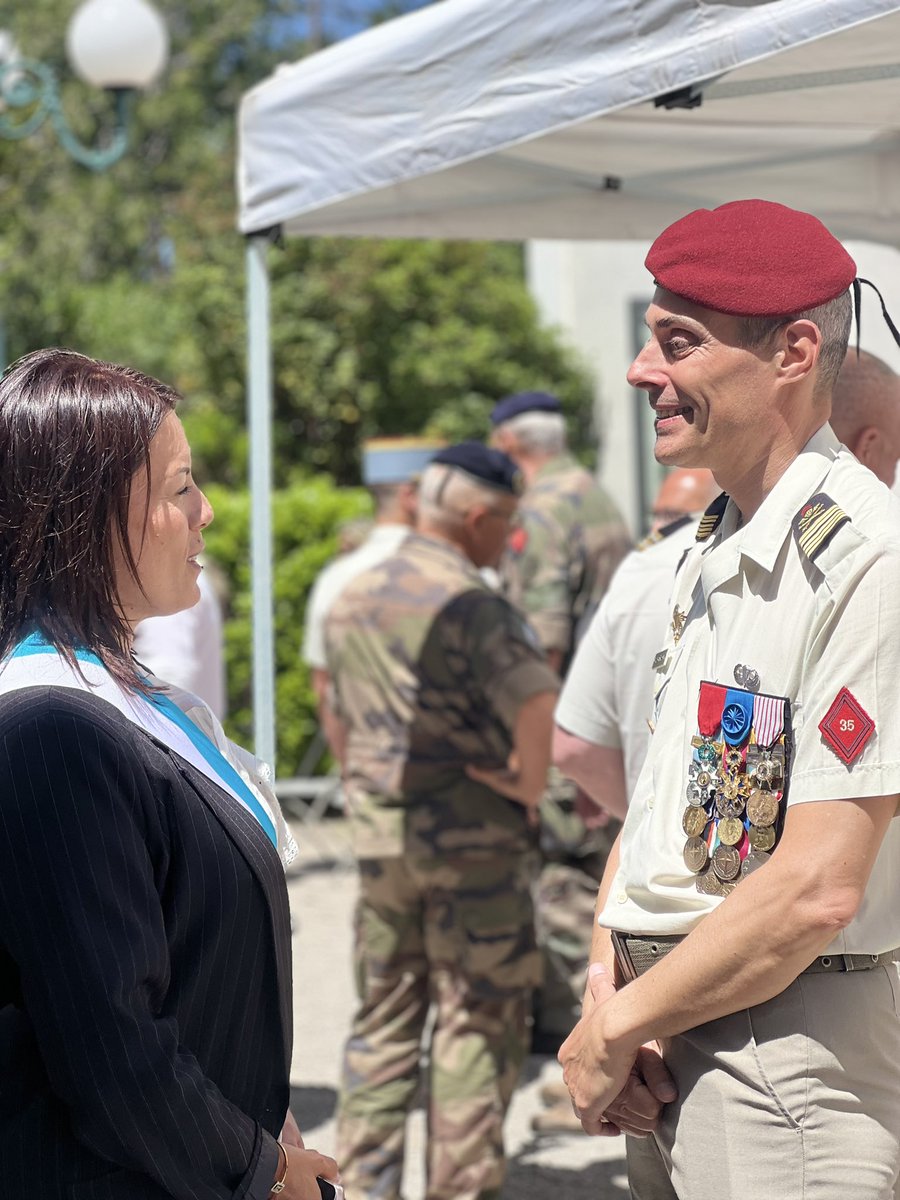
x=623 y=956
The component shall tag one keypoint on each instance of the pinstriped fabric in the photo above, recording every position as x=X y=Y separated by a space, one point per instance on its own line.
x=144 y=967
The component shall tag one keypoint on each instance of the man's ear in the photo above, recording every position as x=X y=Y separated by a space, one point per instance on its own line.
x=801 y=344
x=866 y=446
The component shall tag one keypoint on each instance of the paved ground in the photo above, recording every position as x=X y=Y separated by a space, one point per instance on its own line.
x=545 y=1167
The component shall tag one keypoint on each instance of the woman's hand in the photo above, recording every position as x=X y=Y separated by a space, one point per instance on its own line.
x=290 y=1133
x=303 y=1167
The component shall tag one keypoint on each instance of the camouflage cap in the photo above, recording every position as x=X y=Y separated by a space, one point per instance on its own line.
x=491 y=468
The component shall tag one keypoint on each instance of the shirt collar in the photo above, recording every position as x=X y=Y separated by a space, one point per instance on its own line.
x=554 y=465
x=763 y=536
x=765 y=533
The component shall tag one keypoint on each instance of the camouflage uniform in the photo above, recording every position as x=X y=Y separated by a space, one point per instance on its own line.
x=560 y=560
x=556 y=569
x=430 y=669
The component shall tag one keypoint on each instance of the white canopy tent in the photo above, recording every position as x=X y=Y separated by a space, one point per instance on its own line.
x=521 y=119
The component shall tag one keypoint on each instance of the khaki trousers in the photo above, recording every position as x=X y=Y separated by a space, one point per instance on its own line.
x=795 y=1099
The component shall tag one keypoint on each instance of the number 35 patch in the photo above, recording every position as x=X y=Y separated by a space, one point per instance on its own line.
x=847 y=727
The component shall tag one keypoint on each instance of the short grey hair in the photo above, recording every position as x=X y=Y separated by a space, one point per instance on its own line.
x=447 y=494
x=833 y=320
x=538 y=432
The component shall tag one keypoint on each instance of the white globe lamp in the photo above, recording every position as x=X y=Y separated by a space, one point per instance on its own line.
x=117 y=44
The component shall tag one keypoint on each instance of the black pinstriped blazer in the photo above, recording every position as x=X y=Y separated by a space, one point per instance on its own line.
x=145 y=990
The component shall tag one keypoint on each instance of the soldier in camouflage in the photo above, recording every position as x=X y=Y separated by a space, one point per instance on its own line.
x=447 y=706
x=557 y=566
x=570 y=536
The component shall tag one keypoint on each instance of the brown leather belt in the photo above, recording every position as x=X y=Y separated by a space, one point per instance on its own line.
x=637 y=953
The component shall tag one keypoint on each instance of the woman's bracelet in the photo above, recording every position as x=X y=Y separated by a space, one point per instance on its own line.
x=278 y=1185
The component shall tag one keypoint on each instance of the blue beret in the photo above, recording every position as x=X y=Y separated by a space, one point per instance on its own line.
x=395 y=460
x=490 y=467
x=523 y=402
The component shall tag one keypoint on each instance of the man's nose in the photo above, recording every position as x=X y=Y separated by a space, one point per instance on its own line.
x=646 y=370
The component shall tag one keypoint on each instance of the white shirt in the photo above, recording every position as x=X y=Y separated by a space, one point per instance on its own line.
x=607 y=697
x=186 y=650
x=379 y=545
x=809 y=627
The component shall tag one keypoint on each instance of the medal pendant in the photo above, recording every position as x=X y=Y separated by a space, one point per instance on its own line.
x=729 y=808
x=696 y=854
x=761 y=838
x=710 y=884
x=726 y=862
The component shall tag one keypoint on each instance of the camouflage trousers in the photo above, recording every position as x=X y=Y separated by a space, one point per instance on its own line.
x=455 y=937
x=574 y=858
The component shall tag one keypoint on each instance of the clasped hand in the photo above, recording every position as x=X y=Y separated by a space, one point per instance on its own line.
x=304 y=1166
x=612 y=1091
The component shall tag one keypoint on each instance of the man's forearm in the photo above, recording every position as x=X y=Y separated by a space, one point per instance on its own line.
x=743 y=954
x=598 y=770
x=601 y=941
x=531 y=744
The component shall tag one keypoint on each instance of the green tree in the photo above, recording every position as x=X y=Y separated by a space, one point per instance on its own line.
x=143 y=264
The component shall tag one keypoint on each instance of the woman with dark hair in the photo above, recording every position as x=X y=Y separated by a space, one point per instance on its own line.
x=145 y=992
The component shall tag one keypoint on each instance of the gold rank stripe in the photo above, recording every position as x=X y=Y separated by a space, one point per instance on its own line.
x=818 y=533
x=707 y=526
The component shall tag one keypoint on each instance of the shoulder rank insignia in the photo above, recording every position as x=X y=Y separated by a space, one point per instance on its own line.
x=651 y=539
x=709 y=522
x=664 y=531
x=816 y=524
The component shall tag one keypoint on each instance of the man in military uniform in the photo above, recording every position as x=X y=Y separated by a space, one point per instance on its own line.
x=752 y=899
x=558 y=563
x=570 y=536
x=602 y=732
x=390 y=470
x=865 y=413
x=447 y=706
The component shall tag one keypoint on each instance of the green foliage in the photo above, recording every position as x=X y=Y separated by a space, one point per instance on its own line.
x=142 y=264
x=306 y=517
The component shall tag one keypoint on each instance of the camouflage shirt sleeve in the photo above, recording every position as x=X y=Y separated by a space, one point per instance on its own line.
x=503 y=656
x=537 y=577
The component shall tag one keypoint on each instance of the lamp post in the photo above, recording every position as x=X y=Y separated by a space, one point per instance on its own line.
x=118 y=45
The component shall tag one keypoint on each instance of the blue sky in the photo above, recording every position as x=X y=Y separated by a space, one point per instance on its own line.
x=342 y=18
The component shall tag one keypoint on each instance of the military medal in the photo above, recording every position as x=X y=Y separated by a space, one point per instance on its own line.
x=736 y=785
x=696 y=854
x=726 y=862
x=710 y=884
x=761 y=838
x=762 y=808
x=765 y=767
x=695 y=795
x=729 y=807
x=730 y=830
x=694 y=821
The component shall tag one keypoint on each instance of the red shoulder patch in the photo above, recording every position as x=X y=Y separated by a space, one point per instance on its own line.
x=518 y=540
x=847 y=727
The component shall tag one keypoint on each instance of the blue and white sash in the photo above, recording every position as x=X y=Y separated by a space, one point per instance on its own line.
x=178 y=719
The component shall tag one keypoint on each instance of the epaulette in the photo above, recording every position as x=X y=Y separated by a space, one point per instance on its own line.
x=709 y=522
x=816 y=524
x=659 y=535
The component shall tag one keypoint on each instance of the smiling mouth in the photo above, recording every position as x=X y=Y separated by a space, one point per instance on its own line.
x=662 y=416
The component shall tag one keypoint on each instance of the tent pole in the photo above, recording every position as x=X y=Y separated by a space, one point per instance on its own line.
x=259 y=424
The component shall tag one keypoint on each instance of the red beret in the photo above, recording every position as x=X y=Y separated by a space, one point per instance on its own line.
x=751 y=258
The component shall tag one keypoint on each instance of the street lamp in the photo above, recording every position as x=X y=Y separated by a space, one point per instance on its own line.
x=118 y=45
